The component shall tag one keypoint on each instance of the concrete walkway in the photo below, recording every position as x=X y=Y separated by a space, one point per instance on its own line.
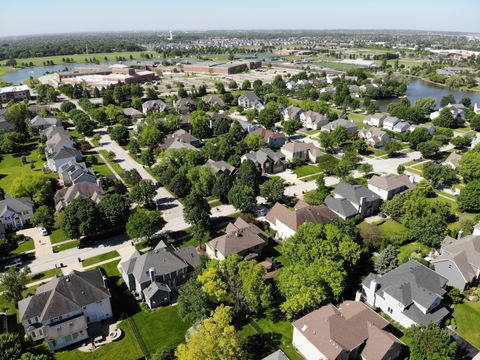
x=43 y=245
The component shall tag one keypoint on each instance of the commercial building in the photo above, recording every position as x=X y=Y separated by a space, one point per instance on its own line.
x=222 y=68
x=16 y=93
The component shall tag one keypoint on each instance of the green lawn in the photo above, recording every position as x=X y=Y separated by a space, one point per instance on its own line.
x=119 y=170
x=100 y=258
x=467 y=316
x=306 y=170
x=100 y=167
x=214 y=203
x=406 y=251
x=357 y=119
x=57 y=236
x=24 y=246
x=110 y=268
x=5 y=69
x=45 y=274
x=390 y=228
x=66 y=246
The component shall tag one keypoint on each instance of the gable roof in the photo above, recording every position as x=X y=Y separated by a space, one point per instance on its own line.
x=340 y=206
x=277 y=355
x=453 y=159
x=45 y=121
x=262 y=155
x=84 y=189
x=217 y=166
x=391 y=182
x=354 y=193
x=64 y=294
x=180 y=136
x=250 y=96
x=340 y=122
x=16 y=205
x=269 y=134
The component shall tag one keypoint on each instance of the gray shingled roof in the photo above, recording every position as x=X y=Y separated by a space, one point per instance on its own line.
x=340 y=206
x=154 y=288
x=15 y=204
x=277 y=355
x=354 y=193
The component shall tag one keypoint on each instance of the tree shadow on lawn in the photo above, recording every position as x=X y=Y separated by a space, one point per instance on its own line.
x=261 y=345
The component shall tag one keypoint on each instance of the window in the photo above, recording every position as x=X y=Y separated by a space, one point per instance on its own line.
x=390 y=310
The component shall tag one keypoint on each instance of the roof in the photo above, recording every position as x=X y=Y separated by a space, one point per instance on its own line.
x=15 y=205
x=464 y=252
x=333 y=330
x=213 y=99
x=454 y=159
x=268 y=134
x=315 y=117
x=354 y=193
x=179 y=135
x=263 y=155
x=45 y=121
x=15 y=88
x=342 y=207
x=316 y=214
x=240 y=236
x=154 y=288
x=390 y=120
x=150 y=104
x=391 y=182
x=340 y=122
x=379 y=343
x=250 y=96
x=217 y=166
x=65 y=153
x=277 y=355
x=64 y=294
x=293 y=111
x=83 y=189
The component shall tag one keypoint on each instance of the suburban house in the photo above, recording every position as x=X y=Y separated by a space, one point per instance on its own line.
x=72 y=173
x=221 y=167
x=459 y=261
x=286 y=222
x=347 y=124
x=349 y=200
x=401 y=127
x=245 y=239
x=350 y=330
x=87 y=190
x=301 y=151
x=375 y=119
x=374 y=136
x=389 y=122
x=453 y=160
x=431 y=128
x=41 y=123
x=250 y=100
x=4 y=124
x=313 y=120
x=476 y=109
x=411 y=294
x=292 y=112
x=216 y=101
x=185 y=105
x=63 y=156
x=61 y=310
x=133 y=113
x=267 y=160
x=291 y=85
x=388 y=186
x=277 y=355
x=179 y=136
x=57 y=140
x=15 y=213
x=273 y=139
x=457 y=110
x=154 y=106
x=155 y=276
x=247 y=126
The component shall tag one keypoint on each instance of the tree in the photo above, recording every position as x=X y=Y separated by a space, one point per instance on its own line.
x=120 y=134
x=197 y=212
x=39 y=187
x=10 y=346
x=143 y=192
x=18 y=114
x=222 y=186
x=10 y=142
x=242 y=197
x=13 y=283
x=466 y=101
x=67 y=106
x=151 y=93
x=248 y=175
x=428 y=148
x=417 y=136
x=246 y=85
x=220 y=87
x=328 y=163
x=144 y=223
x=469 y=198
x=461 y=142
x=30 y=356
x=255 y=142
x=202 y=180
x=192 y=303
x=273 y=189
x=445 y=119
x=81 y=218
x=214 y=338
x=115 y=209
x=290 y=126
x=387 y=260
x=439 y=174
x=430 y=343
x=44 y=216
x=394 y=206
x=318 y=196
x=371 y=236
x=180 y=185
x=475 y=122
x=470 y=165
x=269 y=115
x=339 y=135
x=391 y=147
x=200 y=124
x=365 y=168
x=232 y=84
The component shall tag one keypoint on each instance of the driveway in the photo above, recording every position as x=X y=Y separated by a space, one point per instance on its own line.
x=43 y=246
x=389 y=166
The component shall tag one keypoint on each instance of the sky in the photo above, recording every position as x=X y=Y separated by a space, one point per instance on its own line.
x=27 y=17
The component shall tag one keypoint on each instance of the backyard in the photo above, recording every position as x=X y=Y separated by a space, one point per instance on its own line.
x=467 y=316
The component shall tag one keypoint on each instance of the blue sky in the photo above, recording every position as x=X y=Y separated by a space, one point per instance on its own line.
x=21 y=17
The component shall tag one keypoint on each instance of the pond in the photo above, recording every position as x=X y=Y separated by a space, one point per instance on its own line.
x=418 y=88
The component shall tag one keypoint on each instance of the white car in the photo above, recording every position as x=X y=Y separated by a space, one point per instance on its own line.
x=43 y=231
x=289 y=171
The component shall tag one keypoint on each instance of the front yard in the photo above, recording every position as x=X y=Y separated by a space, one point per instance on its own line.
x=99 y=258
x=306 y=170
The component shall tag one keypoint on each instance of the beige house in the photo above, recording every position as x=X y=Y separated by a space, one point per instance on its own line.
x=301 y=150
x=453 y=160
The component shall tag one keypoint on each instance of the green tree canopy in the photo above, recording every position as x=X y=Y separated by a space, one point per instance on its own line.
x=144 y=223
x=81 y=218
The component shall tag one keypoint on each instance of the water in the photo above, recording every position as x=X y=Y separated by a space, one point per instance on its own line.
x=418 y=88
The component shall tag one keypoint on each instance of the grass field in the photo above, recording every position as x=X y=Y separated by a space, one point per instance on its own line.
x=467 y=316
x=306 y=170
x=24 y=246
x=103 y=257
x=66 y=246
x=110 y=268
x=45 y=274
x=5 y=69
x=118 y=169
x=406 y=251
x=390 y=228
x=57 y=236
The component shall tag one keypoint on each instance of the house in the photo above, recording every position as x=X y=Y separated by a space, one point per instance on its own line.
x=16 y=93
x=459 y=261
x=221 y=167
x=313 y=120
x=62 y=156
x=431 y=128
x=350 y=126
x=87 y=190
x=218 y=116
x=215 y=101
x=57 y=140
x=292 y=112
x=374 y=136
x=457 y=110
x=375 y=119
x=411 y=294
x=277 y=355
x=286 y=222
x=61 y=311
x=291 y=85
x=388 y=186
x=350 y=330
x=453 y=160
x=72 y=173
x=156 y=276
x=185 y=105
x=15 y=213
x=41 y=123
x=266 y=160
x=475 y=141
x=245 y=239
x=349 y=200
x=154 y=106
x=247 y=126
x=273 y=139
x=179 y=136
x=250 y=100
x=4 y=124
x=389 y=122
x=302 y=151
x=401 y=127
x=133 y=113
x=476 y=109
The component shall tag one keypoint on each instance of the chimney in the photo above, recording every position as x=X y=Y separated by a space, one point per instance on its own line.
x=360 y=206
x=460 y=234
x=151 y=274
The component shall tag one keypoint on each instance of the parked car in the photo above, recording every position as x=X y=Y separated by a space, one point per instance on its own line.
x=43 y=231
x=289 y=171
